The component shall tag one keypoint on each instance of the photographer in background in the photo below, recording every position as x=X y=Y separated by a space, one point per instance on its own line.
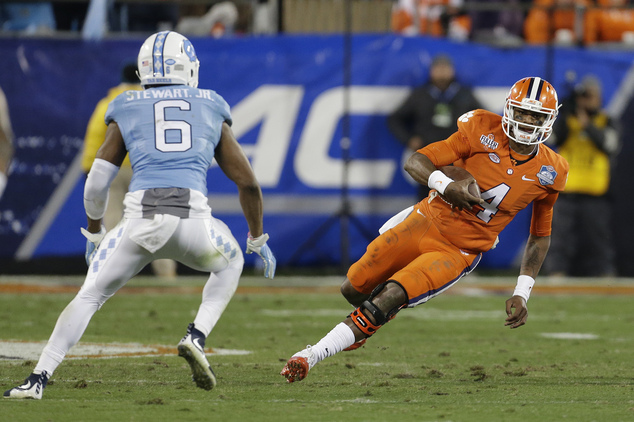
x=589 y=139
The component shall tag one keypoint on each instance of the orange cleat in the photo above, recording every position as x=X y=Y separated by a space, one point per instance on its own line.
x=298 y=365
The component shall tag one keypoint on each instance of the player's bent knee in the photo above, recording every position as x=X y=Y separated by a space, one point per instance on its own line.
x=91 y=296
x=390 y=296
x=352 y=295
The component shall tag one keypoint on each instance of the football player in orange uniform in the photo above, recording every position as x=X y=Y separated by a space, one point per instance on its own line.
x=442 y=238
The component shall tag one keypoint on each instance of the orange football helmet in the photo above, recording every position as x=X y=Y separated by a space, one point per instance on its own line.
x=530 y=95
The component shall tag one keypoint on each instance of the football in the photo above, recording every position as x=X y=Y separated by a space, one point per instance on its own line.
x=458 y=173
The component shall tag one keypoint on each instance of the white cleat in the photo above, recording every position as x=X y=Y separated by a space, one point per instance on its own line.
x=299 y=364
x=192 y=348
x=32 y=388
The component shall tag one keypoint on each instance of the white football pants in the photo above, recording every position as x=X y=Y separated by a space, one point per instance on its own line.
x=201 y=244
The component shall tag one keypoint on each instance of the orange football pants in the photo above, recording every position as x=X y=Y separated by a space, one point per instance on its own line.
x=417 y=256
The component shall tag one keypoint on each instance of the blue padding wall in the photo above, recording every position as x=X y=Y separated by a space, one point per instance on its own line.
x=289 y=104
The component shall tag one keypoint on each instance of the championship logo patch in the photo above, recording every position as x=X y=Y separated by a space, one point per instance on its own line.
x=547 y=175
x=489 y=141
x=494 y=157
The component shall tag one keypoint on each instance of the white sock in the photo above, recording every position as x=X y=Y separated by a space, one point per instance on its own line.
x=334 y=342
x=52 y=356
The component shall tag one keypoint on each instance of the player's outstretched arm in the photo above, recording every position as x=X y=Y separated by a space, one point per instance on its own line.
x=534 y=255
x=516 y=311
x=102 y=172
x=234 y=163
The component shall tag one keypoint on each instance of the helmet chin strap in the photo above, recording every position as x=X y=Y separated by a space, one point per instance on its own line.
x=524 y=137
x=511 y=144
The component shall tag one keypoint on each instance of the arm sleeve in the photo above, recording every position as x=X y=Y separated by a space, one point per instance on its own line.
x=96 y=189
x=542 y=218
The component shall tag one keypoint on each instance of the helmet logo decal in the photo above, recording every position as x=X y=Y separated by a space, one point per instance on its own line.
x=159 y=43
x=189 y=50
x=168 y=58
x=547 y=175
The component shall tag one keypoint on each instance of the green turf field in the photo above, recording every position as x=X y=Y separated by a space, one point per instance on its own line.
x=449 y=360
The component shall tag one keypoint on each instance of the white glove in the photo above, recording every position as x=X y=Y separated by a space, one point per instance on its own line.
x=92 y=244
x=259 y=246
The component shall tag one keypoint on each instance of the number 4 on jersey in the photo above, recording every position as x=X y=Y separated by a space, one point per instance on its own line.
x=492 y=199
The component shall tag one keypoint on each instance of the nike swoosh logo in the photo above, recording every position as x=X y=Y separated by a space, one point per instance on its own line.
x=26 y=386
x=196 y=342
x=418 y=211
x=527 y=179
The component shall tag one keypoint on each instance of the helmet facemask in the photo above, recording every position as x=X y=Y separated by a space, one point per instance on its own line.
x=524 y=132
x=537 y=98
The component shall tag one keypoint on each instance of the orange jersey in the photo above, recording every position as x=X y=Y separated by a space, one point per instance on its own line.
x=481 y=147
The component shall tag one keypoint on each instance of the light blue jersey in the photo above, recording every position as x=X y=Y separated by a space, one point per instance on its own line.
x=170 y=133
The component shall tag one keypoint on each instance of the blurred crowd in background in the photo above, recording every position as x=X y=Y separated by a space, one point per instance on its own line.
x=567 y=22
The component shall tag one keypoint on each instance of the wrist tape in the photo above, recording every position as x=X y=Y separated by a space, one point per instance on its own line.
x=524 y=286
x=439 y=181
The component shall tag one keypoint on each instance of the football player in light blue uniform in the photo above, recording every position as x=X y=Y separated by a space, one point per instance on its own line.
x=172 y=131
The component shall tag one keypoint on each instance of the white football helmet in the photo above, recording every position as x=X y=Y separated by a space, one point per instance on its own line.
x=534 y=95
x=168 y=58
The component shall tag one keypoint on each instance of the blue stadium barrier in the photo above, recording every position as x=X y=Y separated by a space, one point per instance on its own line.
x=288 y=99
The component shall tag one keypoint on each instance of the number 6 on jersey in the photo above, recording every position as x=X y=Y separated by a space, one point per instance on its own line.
x=162 y=126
